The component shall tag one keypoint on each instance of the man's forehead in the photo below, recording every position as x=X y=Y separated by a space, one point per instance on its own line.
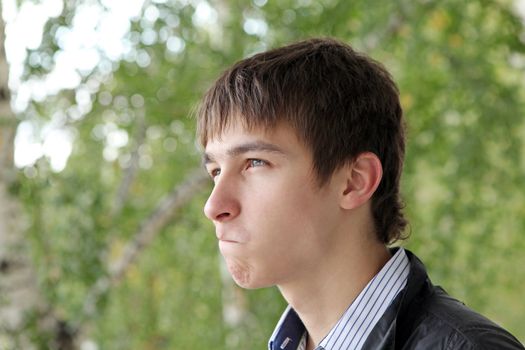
x=237 y=131
x=237 y=127
x=238 y=139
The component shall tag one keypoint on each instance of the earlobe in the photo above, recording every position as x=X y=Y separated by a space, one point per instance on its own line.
x=363 y=176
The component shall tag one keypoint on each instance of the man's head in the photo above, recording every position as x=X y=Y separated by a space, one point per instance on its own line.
x=339 y=103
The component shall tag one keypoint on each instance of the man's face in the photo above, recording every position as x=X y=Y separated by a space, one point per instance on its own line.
x=272 y=220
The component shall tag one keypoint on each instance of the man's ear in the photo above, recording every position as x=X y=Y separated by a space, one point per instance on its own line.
x=363 y=176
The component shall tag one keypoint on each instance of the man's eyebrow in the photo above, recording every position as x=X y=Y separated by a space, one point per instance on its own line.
x=259 y=146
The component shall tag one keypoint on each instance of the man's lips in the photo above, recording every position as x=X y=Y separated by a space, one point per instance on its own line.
x=227 y=241
x=223 y=238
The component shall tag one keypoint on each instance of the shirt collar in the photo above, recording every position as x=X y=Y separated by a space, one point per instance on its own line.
x=358 y=320
x=288 y=332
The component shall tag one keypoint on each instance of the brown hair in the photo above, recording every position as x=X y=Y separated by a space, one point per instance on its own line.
x=340 y=103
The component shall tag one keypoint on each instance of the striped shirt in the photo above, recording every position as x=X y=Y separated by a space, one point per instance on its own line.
x=353 y=328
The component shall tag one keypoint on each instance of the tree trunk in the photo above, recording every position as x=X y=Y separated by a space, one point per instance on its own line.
x=18 y=286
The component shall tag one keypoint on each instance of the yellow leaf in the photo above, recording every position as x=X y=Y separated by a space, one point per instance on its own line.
x=439 y=19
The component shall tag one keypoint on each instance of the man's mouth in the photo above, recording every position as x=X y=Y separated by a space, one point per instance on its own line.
x=222 y=238
x=227 y=240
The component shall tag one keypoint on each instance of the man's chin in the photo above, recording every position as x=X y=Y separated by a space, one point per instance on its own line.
x=244 y=276
x=250 y=284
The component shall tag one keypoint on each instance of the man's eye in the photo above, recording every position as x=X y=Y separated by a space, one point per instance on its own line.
x=256 y=162
x=215 y=172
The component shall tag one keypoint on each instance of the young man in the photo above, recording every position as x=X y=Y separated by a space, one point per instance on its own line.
x=305 y=145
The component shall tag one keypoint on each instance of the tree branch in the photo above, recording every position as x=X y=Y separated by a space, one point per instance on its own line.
x=7 y=121
x=131 y=171
x=149 y=229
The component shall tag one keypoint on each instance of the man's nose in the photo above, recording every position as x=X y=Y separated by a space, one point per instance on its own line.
x=222 y=205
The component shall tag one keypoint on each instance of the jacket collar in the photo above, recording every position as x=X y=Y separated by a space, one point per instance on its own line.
x=395 y=323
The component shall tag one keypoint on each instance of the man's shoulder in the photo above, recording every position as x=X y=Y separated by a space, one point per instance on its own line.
x=443 y=322
x=428 y=318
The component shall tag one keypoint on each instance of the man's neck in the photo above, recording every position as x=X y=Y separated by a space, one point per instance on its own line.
x=321 y=297
x=310 y=344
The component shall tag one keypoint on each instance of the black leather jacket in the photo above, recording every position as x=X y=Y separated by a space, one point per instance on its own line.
x=424 y=316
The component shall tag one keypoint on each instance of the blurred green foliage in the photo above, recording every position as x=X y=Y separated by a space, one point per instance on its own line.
x=460 y=69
